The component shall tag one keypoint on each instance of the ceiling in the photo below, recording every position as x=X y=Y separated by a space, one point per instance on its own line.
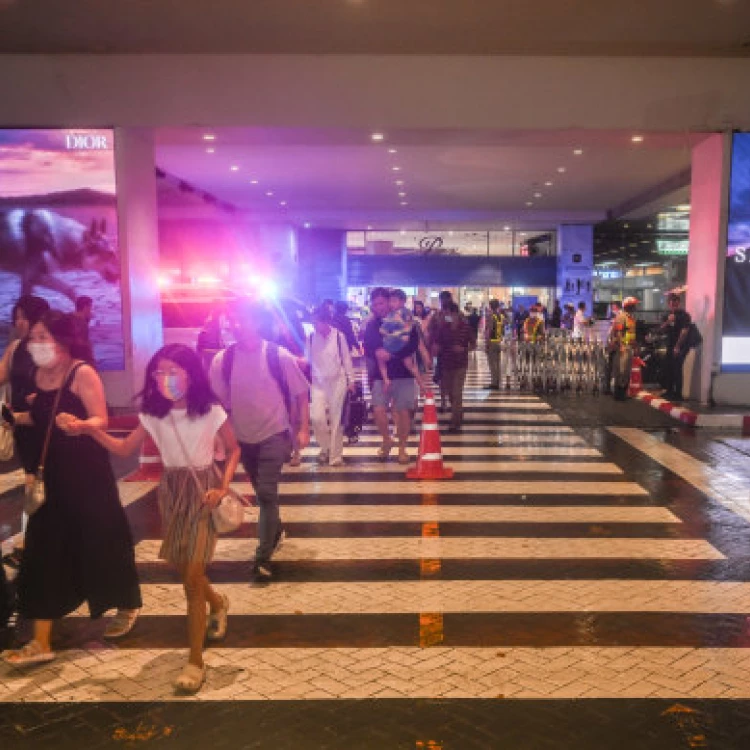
x=475 y=27
x=451 y=179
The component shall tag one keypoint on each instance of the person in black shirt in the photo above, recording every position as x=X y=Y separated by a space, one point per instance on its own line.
x=556 y=317
x=341 y=321
x=676 y=324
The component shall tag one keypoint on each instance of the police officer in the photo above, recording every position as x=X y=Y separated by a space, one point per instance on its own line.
x=624 y=329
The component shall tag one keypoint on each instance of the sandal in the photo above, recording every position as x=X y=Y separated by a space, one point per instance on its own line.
x=403 y=457
x=216 y=622
x=122 y=623
x=31 y=653
x=190 y=679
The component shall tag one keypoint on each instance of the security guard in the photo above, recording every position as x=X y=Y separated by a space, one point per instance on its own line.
x=494 y=329
x=533 y=326
x=624 y=339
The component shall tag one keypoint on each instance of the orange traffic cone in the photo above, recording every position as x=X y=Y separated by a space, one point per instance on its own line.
x=149 y=463
x=430 y=460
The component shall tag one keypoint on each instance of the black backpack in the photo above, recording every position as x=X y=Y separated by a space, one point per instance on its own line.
x=273 y=361
x=693 y=338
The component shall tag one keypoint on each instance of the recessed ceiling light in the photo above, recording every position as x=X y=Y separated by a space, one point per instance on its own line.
x=529 y=203
x=377 y=136
x=209 y=137
x=270 y=193
x=578 y=151
x=282 y=203
x=210 y=150
x=506 y=229
x=549 y=183
x=369 y=228
x=253 y=182
x=392 y=151
x=561 y=170
x=404 y=203
x=402 y=195
x=234 y=168
x=637 y=139
x=399 y=182
x=537 y=195
x=307 y=225
x=396 y=169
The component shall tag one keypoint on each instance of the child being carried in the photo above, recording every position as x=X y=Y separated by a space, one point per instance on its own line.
x=396 y=330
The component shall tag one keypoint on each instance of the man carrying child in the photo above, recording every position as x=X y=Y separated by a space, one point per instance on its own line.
x=392 y=368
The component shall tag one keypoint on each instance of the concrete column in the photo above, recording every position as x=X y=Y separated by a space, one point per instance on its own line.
x=705 y=273
x=322 y=265
x=139 y=248
x=575 y=264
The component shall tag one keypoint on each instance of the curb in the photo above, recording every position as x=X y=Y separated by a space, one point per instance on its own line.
x=694 y=419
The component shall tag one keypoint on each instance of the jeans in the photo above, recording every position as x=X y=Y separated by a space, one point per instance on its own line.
x=493 y=357
x=263 y=463
x=453 y=385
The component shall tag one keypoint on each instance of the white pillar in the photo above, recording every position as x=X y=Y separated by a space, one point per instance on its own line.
x=705 y=273
x=139 y=248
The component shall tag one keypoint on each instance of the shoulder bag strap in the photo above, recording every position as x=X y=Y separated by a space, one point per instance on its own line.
x=201 y=489
x=55 y=405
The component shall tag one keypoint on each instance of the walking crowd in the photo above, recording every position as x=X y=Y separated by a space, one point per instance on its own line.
x=253 y=403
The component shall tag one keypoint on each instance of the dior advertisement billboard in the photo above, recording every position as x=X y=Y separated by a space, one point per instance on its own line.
x=58 y=230
x=735 y=354
x=575 y=264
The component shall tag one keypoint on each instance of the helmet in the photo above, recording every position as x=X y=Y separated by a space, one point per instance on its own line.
x=630 y=302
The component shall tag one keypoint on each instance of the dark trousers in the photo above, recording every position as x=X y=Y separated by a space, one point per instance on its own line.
x=263 y=463
x=609 y=365
x=673 y=372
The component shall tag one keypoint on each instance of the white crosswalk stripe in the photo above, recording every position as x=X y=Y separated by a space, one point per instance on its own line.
x=572 y=512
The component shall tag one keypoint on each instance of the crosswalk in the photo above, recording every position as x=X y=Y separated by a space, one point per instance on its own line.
x=543 y=570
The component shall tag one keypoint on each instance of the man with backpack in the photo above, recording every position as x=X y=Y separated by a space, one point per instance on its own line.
x=266 y=395
x=332 y=374
x=677 y=325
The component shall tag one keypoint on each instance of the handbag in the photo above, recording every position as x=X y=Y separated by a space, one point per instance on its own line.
x=229 y=512
x=7 y=446
x=36 y=495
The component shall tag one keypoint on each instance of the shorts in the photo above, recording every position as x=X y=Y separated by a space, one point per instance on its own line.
x=402 y=395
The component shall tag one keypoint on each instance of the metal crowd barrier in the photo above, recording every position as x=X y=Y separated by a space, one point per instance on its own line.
x=558 y=364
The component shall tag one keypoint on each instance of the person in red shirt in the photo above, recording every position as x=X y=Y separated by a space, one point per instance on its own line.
x=453 y=340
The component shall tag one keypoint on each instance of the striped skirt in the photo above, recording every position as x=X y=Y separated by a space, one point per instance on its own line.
x=189 y=534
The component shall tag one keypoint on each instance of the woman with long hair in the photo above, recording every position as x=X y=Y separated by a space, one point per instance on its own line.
x=183 y=417
x=78 y=543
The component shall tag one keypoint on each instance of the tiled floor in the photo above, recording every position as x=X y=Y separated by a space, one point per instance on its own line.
x=570 y=587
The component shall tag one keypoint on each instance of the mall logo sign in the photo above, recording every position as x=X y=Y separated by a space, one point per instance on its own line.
x=86 y=142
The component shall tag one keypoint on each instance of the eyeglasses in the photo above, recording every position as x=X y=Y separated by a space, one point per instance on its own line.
x=166 y=373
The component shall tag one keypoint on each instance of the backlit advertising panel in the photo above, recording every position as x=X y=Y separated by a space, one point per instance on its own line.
x=735 y=349
x=58 y=230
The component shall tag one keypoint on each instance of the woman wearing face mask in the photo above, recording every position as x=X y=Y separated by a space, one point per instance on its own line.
x=18 y=370
x=182 y=415
x=78 y=543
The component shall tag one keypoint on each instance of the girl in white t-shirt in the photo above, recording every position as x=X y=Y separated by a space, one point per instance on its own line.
x=177 y=398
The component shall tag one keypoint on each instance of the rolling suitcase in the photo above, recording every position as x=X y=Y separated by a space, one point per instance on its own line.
x=354 y=415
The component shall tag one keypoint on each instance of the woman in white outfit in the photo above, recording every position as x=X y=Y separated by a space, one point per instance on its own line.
x=332 y=374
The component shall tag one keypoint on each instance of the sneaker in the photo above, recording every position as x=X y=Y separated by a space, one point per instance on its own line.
x=336 y=461
x=323 y=457
x=278 y=541
x=262 y=572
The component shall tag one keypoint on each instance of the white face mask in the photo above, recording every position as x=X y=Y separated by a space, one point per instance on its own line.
x=44 y=355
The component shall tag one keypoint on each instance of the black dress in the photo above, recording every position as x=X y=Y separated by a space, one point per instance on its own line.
x=78 y=544
x=22 y=385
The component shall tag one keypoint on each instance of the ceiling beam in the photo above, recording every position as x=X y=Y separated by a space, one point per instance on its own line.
x=652 y=195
